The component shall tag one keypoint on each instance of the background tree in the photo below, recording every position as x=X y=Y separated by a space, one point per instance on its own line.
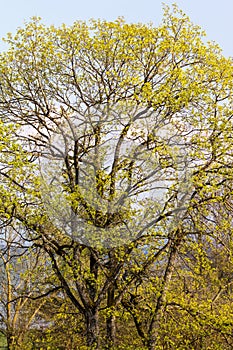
x=22 y=284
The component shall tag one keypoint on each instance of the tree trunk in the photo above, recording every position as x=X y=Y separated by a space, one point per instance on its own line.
x=92 y=328
x=111 y=331
x=111 y=318
x=161 y=302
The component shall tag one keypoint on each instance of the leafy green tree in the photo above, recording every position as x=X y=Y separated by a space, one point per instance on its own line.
x=129 y=130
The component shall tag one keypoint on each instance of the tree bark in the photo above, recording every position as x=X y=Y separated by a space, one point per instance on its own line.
x=92 y=328
x=161 y=302
x=111 y=320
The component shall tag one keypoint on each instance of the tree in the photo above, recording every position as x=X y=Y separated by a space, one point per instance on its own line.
x=22 y=285
x=129 y=129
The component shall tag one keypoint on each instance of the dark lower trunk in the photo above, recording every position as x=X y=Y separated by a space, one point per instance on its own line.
x=111 y=320
x=157 y=318
x=111 y=331
x=92 y=329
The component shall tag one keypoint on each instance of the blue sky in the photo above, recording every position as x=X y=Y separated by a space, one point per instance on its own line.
x=215 y=17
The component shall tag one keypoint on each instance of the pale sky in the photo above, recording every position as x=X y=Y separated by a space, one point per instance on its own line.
x=214 y=16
